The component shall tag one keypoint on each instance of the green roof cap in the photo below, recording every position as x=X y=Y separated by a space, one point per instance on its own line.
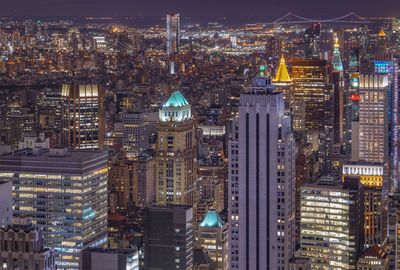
x=176 y=100
x=212 y=220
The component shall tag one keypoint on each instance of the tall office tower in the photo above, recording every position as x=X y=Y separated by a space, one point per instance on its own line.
x=265 y=180
x=311 y=90
x=213 y=238
x=168 y=237
x=373 y=139
x=354 y=145
x=312 y=39
x=352 y=99
x=22 y=247
x=373 y=258
x=110 y=259
x=233 y=198
x=5 y=203
x=83 y=120
x=283 y=83
x=312 y=103
x=173 y=35
x=332 y=224
x=65 y=192
x=176 y=153
x=370 y=176
x=338 y=101
x=390 y=67
x=135 y=138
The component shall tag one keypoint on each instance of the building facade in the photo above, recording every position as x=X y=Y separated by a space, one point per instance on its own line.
x=135 y=137
x=168 y=237
x=22 y=247
x=331 y=225
x=65 y=192
x=371 y=175
x=176 y=153
x=173 y=35
x=83 y=120
x=373 y=139
x=265 y=194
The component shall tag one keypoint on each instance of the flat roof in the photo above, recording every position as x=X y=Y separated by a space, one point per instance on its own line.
x=73 y=156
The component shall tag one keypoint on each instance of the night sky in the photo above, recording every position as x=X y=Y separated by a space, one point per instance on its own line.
x=207 y=8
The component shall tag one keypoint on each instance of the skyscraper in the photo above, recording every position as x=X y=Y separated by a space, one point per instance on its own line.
x=388 y=65
x=135 y=138
x=370 y=175
x=311 y=81
x=373 y=139
x=313 y=105
x=331 y=226
x=312 y=39
x=265 y=180
x=233 y=198
x=168 y=237
x=65 y=192
x=338 y=101
x=173 y=35
x=176 y=153
x=83 y=120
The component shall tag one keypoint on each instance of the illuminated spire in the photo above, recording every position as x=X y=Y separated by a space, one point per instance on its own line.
x=337 y=60
x=282 y=75
x=382 y=34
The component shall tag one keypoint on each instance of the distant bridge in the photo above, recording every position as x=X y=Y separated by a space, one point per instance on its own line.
x=291 y=18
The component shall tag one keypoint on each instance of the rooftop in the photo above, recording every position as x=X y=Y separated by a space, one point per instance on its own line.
x=53 y=155
x=375 y=251
x=212 y=220
x=176 y=100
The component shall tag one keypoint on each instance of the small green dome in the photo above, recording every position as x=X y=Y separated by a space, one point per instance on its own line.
x=212 y=220
x=176 y=100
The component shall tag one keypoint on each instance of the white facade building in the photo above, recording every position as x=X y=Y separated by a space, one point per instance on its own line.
x=265 y=181
x=373 y=125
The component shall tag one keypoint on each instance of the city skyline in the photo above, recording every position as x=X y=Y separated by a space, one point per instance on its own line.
x=174 y=142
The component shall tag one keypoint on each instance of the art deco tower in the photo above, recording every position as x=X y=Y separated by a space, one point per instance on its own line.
x=176 y=153
x=265 y=181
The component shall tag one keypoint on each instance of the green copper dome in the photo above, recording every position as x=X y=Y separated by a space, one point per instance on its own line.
x=212 y=220
x=176 y=100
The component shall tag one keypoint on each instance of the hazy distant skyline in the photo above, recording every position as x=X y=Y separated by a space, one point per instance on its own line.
x=207 y=8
